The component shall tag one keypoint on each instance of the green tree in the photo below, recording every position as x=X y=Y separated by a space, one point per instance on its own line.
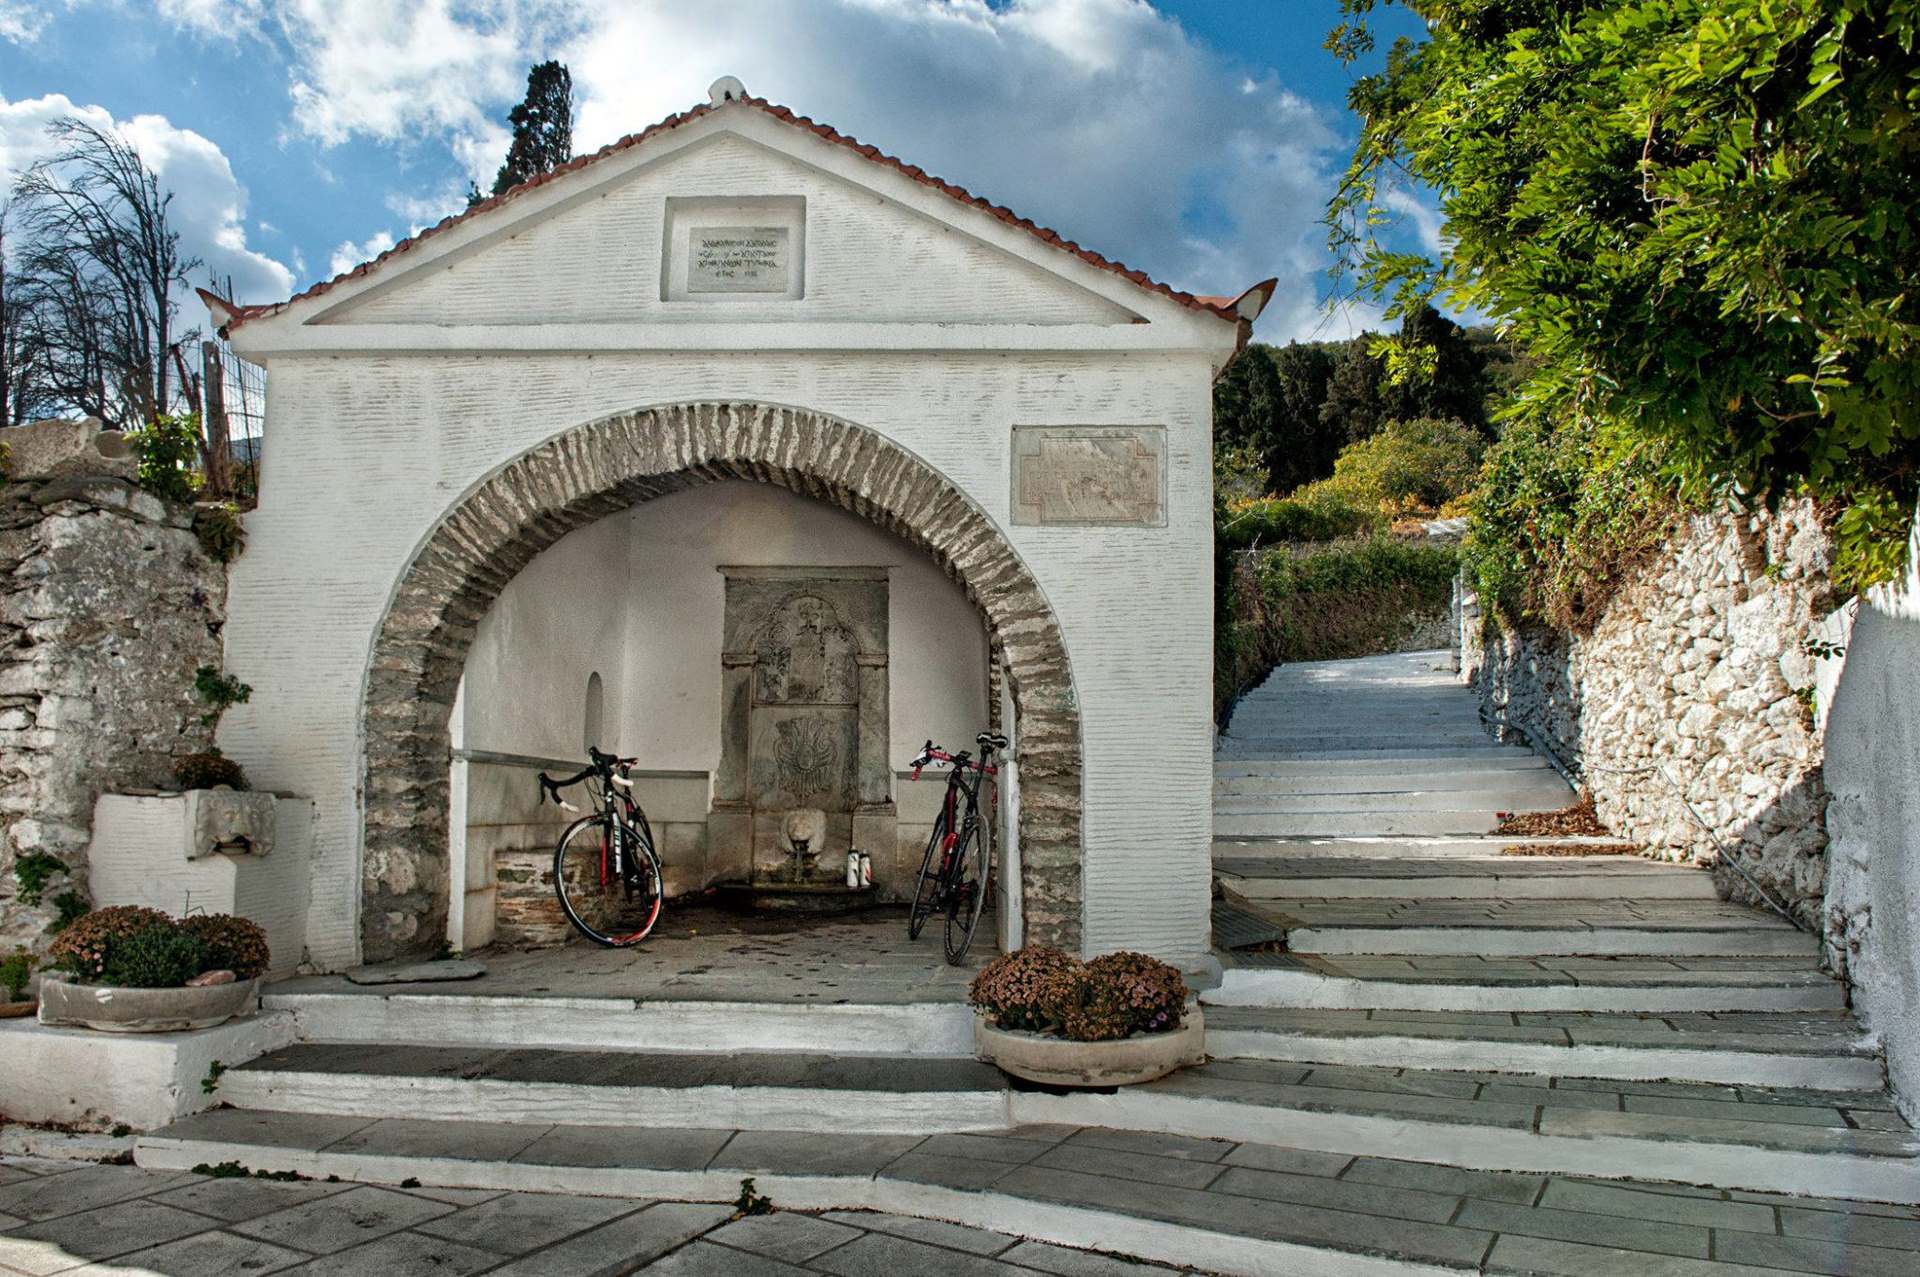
x=542 y=128
x=1304 y=368
x=1696 y=218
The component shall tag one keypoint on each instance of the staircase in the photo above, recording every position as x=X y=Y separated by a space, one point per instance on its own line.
x=1600 y=1012
x=1427 y=1056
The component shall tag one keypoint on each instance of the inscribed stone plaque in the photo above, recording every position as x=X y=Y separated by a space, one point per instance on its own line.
x=737 y=259
x=1113 y=476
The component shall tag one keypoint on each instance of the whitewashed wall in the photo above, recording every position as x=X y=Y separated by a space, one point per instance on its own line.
x=639 y=599
x=371 y=451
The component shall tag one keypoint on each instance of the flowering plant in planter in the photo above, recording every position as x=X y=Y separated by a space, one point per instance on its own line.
x=1049 y=1017
x=134 y=969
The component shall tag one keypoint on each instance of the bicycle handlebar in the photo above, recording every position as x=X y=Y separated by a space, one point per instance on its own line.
x=611 y=767
x=931 y=754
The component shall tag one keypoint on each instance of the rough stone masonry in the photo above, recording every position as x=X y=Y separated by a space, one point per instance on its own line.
x=1697 y=680
x=107 y=606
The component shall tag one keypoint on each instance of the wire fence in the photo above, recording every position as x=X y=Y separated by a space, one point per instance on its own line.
x=234 y=420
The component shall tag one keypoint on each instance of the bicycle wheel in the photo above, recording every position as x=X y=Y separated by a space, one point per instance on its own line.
x=608 y=908
x=972 y=861
x=926 y=892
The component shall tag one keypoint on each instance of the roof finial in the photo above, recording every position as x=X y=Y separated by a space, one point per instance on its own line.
x=726 y=89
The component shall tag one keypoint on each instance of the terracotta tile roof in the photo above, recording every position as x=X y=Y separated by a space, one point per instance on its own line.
x=230 y=315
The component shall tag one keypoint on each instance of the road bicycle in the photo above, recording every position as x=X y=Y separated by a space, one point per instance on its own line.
x=959 y=858
x=605 y=869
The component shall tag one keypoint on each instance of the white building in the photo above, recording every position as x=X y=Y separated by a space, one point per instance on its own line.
x=549 y=472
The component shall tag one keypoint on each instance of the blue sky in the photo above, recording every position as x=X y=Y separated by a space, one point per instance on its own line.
x=1194 y=139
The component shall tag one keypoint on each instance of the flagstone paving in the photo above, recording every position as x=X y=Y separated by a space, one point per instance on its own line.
x=1404 y=1212
x=84 y=1220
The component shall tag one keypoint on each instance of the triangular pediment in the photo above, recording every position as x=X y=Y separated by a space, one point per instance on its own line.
x=729 y=227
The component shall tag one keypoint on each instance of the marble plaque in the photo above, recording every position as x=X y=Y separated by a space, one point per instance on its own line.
x=1106 y=476
x=737 y=259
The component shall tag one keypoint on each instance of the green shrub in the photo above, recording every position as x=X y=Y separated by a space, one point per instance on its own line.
x=1560 y=521
x=220 y=691
x=220 y=531
x=68 y=907
x=207 y=770
x=232 y=944
x=159 y=955
x=1408 y=466
x=15 y=971
x=1307 y=516
x=1353 y=598
x=168 y=448
x=33 y=871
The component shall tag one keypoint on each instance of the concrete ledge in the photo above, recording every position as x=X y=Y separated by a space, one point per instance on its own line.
x=143 y=1080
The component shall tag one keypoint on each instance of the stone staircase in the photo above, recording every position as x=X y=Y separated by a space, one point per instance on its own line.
x=1427 y=1056
x=1380 y=941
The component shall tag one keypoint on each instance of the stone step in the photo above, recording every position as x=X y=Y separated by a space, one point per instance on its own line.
x=1339 y=744
x=1515 y=928
x=1533 y=782
x=1387 y=847
x=1419 y=824
x=744 y=1090
x=1276 y=878
x=1480 y=802
x=454 y=1018
x=1219 y=1205
x=1814 y=1050
x=1487 y=757
x=1415 y=983
x=1842 y=1144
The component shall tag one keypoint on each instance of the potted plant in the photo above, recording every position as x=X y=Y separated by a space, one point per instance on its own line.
x=14 y=974
x=130 y=969
x=1048 y=1017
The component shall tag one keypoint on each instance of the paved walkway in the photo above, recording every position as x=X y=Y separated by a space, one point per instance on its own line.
x=81 y=1219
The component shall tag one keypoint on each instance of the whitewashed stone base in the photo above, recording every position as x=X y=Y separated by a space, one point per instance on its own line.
x=143 y=1080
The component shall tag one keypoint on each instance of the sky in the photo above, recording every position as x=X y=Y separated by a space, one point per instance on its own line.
x=1197 y=140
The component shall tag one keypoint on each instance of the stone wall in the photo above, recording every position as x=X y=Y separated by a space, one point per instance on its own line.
x=107 y=606
x=1696 y=680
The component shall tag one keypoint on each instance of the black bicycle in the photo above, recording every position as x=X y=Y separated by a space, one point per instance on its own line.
x=605 y=869
x=959 y=860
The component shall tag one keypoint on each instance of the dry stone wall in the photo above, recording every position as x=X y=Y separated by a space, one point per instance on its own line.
x=107 y=606
x=1695 y=683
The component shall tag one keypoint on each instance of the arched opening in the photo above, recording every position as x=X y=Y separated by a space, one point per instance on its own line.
x=620 y=462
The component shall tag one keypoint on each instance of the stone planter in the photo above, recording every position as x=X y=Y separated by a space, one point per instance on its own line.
x=1053 y=1061
x=117 y=1010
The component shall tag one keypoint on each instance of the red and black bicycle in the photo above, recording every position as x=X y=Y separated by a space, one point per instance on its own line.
x=959 y=859
x=605 y=869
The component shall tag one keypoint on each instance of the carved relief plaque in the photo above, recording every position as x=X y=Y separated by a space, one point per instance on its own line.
x=1114 y=476
x=804 y=705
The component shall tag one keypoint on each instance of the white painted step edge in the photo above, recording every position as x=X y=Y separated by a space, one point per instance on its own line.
x=757 y=1108
x=1608 y=1156
x=1656 y=884
x=1650 y=941
x=1082 y=1227
x=1620 y=1063
x=621 y=1024
x=1309 y=990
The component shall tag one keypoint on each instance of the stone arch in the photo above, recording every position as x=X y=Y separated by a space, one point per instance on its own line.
x=617 y=462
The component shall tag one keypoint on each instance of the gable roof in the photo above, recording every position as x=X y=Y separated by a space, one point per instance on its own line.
x=1244 y=307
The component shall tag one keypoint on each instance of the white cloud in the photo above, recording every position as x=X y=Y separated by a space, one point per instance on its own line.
x=423 y=211
x=1101 y=118
x=21 y=21
x=350 y=254
x=209 y=203
x=1423 y=217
